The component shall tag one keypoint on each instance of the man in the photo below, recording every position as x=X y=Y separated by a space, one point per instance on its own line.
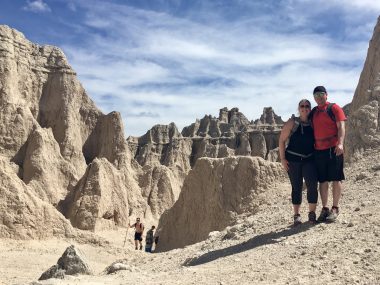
x=139 y=229
x=149 y=239
x=328 y=123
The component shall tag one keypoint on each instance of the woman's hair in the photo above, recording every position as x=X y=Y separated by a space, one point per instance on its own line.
x=304 y=101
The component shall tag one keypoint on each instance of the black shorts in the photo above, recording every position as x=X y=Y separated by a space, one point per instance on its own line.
x=329 y=165
x=138 y=236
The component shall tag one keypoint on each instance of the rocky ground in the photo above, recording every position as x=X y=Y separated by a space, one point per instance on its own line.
x=259 y=249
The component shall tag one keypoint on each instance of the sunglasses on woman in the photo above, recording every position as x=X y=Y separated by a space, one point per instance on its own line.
x=305 y=106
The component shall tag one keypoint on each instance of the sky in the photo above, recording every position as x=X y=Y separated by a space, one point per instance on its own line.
x=163 y=61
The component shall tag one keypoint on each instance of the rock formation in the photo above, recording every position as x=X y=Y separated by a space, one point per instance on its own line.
x=99 y=200
x=44 y=169
x=229 y=134
x=72 y=262
x=73 y=157
x=363 y=126
x=53 y=132
x=22 y=214
x=215 y=192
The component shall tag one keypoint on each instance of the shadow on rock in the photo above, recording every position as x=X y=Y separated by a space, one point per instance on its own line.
x=257 y=241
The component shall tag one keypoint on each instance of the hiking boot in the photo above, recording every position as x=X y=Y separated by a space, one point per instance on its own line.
x=323 y=215
x=312 y=218
x=333 y=215
x=297 y=219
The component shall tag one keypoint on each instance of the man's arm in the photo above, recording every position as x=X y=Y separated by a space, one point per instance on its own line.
x=341 y=134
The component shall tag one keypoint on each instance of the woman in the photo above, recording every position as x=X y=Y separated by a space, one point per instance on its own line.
x=298 y=160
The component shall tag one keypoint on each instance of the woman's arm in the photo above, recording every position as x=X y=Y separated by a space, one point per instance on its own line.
x=285 y=132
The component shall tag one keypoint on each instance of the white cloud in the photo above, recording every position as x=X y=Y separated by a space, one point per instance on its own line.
x=157 y=68
x=36 y=6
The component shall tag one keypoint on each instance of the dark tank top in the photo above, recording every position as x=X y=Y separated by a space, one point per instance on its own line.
x=301 y=144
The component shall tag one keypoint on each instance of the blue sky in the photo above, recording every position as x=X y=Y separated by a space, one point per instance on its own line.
x=166 y=61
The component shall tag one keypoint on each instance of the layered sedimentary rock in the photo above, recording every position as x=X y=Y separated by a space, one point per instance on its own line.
x=99 y=200
x=22 y=214
x=52 y=131
x=229 y=134
x=363 y=128
x=164 y=155
x=215 y=192
x=233 y=134
x=160 y=186
x=44 y=169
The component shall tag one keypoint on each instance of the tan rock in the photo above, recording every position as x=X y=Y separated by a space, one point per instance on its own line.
x=363 y=129
x=107 y=140
x=99 y=200
x=215 y=192
x=44 y=169
x=22 y=214
x=160 y=187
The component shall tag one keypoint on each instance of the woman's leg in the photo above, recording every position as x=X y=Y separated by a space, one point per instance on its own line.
x=295 y=176
x=309 y=172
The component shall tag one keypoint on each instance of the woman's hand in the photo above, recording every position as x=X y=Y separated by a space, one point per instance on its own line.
x=285 y=164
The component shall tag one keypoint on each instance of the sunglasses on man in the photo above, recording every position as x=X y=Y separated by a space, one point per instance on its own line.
x=319 y=94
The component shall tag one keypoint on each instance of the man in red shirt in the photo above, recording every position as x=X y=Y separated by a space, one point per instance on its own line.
x=329 y=134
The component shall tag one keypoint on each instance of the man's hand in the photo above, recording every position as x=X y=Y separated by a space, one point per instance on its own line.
x=285 y=164
x=339 y=149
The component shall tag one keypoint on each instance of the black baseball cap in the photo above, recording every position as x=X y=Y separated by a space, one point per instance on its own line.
x=319 y=89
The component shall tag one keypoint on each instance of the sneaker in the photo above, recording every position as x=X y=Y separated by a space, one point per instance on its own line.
x=333 y=215
x=297 y=219
x=312 y=217
x=324 y=214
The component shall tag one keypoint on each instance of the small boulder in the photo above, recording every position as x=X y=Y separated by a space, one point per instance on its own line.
x=116 y=266
x=70 y=263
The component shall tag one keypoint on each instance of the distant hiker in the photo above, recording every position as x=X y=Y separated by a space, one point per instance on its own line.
x=329 y=131
x=156 y=240
x=149 y=239
x=139 y=229
x=297 y=158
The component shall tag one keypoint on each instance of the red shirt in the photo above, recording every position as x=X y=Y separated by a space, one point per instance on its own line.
x=325 y=129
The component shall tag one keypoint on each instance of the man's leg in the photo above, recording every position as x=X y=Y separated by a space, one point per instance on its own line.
x=136 y=244
x=337 y=192
x=336 y=175
x=324 y=191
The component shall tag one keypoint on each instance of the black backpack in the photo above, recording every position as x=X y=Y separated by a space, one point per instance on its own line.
x=328 y=111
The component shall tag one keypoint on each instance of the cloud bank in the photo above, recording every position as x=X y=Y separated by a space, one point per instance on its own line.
x=175 y=63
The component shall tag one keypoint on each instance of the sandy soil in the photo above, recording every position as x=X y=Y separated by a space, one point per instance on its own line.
x=259 y=249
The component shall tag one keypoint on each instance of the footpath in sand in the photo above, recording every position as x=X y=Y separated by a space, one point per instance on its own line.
x=259 y=249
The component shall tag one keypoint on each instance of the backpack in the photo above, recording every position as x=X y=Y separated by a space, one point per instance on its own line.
x=328 y=111
x=297 y=122
x=141 y=226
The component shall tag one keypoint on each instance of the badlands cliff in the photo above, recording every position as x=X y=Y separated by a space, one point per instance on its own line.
x=65 y=166
x=67 y=155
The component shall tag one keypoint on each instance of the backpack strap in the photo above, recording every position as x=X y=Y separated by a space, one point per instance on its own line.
x=330 y=112
x=311 y=115
x=295 y=125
